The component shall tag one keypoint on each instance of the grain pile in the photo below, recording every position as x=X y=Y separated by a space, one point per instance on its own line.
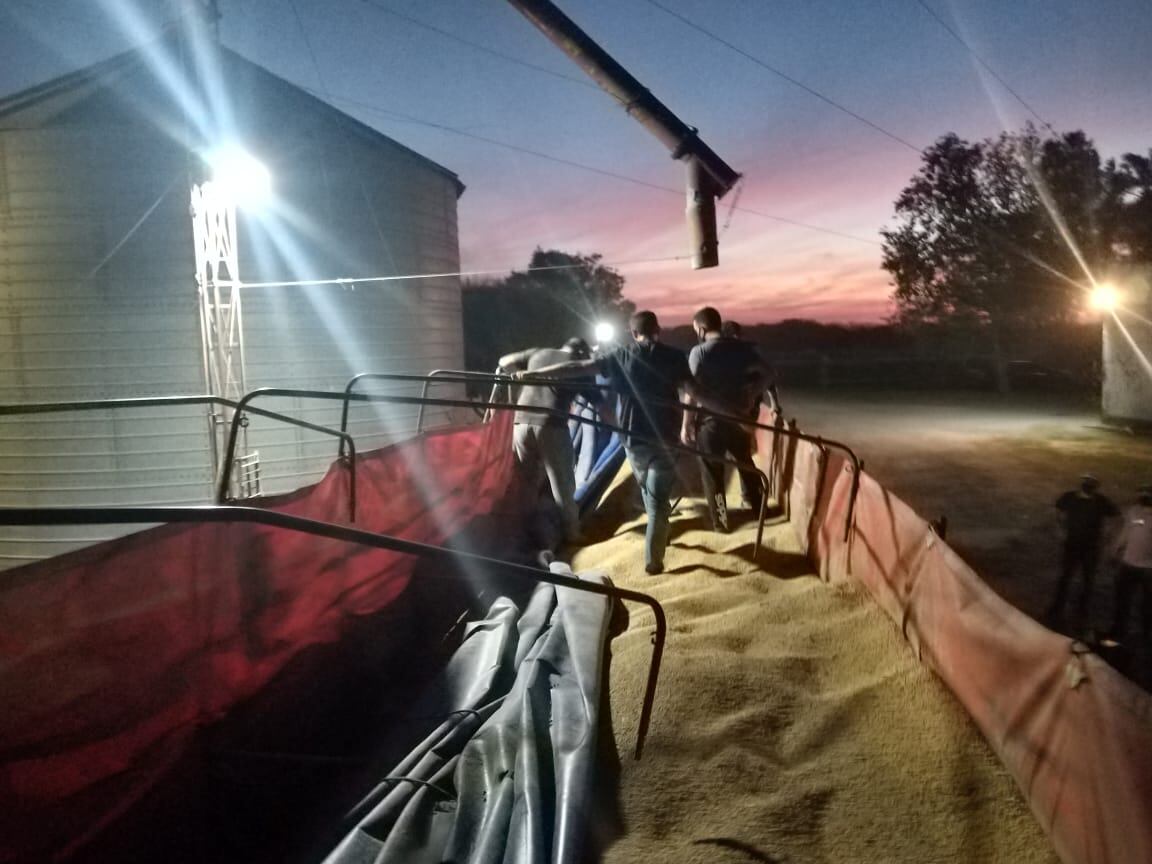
x=792 y=723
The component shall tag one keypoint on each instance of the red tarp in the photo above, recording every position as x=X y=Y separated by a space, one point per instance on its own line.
x=110 y=657
x=1075 y=734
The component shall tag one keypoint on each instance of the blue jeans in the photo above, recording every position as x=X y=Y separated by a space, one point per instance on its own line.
x=655 y=473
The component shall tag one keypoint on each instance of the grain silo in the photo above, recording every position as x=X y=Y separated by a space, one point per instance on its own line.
x=98 y=295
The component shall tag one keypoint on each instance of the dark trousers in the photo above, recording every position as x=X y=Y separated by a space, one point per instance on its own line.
x=721 y=438
x=1082 y=557
x=1129 y=581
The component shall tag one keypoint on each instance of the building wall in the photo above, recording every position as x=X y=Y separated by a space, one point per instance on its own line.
x=1127 y=395
x=386 y=216
x=98 y=300
x=351 y=204
x=82 y=319
x=1127 y=355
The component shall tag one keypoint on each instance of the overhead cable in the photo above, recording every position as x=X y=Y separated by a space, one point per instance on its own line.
x=784 y=75
x=478 y=46
x=984 y=64
x=369 y=203
x=360 y=280
x=407 y=118
x=308 y=45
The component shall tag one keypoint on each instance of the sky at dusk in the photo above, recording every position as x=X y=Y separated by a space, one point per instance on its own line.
x=1077 y=64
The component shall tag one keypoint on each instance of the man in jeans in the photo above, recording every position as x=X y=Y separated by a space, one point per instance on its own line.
x=542 y=442
x=730 y=377
x=648 y=376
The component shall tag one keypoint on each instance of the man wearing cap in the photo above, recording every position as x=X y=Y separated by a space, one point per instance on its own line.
x=541 y=441
x=1085 y=513
x=1134 y=556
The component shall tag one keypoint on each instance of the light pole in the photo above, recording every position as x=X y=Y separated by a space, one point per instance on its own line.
x=237 y=179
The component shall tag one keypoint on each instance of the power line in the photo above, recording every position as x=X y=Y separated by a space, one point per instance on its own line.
x=508 y=58
x=407 y=118
x=984 y=63
x=784 y=75
x=360 y=280
x=798 y=224
x=308 y=45
x=369 y=203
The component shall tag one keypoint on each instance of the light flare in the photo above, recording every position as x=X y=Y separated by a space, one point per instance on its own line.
x=1136 y=349
x=1104 y=297
x=239 y=176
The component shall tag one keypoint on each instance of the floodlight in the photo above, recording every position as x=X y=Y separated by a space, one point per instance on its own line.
x=1104 y=297
x=240 y=176
x=605 y=333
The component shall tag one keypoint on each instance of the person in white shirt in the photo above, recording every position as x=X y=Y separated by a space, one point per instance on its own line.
x=542 y=443
x=1134 y=556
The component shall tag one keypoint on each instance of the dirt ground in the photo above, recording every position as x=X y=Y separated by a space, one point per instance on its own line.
x=994 y=467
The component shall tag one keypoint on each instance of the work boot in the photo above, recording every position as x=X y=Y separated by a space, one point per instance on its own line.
x=719 y=513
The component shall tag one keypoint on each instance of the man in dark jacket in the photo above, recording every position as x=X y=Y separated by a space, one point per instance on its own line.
x=730 y=378
x=1085 y=513
x=648 y=376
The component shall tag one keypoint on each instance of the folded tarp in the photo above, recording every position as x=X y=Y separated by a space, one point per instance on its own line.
x=507 y=775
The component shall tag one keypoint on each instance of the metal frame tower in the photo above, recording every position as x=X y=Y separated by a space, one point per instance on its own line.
x=222 y=324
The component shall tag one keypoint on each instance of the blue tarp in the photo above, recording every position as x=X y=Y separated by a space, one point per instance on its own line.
x=599 y=455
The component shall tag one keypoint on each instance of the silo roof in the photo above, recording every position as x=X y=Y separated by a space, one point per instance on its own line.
x=43 y=104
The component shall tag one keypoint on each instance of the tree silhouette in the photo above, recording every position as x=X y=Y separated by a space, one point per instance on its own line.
x=1005 y=235
x=1130 y=183
x=559 y=295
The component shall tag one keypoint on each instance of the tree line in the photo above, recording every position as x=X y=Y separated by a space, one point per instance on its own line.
x=558 y=296
x=1004 y=237
x=994 y=247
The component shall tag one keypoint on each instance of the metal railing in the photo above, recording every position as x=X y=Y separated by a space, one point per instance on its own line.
x=272 y=392
x=347 y=453
x=224 y=479
x=790 y=431
x=461 y=376
x=347 y=449
x=441 y=376
x=454 y=375
x=25 y=516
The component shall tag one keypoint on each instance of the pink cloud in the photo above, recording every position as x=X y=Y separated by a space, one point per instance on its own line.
x=843 y=294
x=769 y=270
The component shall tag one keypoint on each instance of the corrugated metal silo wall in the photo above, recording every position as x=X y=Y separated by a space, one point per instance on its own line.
x=347 y=206
x=88 y=314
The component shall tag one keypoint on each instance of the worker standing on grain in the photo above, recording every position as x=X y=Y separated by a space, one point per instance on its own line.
x=648 y=376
